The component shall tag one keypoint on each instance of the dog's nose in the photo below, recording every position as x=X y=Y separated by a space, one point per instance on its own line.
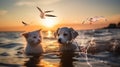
x=59 y=40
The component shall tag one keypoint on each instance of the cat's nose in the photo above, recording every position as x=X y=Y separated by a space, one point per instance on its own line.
x=39 y=40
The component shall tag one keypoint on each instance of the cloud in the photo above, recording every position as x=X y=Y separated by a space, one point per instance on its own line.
x=3 y=12
x=25 y=3
x=47 y=2
x=35 y=2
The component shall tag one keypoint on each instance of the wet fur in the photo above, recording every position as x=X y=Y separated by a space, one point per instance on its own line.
x=33 y=42
x=65 y=37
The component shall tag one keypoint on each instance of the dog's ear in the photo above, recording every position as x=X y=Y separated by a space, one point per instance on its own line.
x=74 y=33
x=56 y=33
x=25 y=35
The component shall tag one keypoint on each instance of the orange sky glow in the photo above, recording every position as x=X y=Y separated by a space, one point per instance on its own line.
x=13 y=12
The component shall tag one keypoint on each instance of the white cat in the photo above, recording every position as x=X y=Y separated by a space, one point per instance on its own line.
x=33 y=42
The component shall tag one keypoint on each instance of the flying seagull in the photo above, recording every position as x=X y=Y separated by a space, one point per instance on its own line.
x=25 y=24
x=43 y=14
x=97 y=18
x=94 y=19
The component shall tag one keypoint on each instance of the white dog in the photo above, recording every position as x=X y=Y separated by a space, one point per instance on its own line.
x=65 y=37
x=33 y=42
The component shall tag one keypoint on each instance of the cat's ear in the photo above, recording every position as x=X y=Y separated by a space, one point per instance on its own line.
x=39 y=30
x=25 y=35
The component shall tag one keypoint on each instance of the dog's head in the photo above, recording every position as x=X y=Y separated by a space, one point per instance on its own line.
x=33 y=38
x=65 y=34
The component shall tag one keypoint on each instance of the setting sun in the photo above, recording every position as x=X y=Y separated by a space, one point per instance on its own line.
x=49 y=22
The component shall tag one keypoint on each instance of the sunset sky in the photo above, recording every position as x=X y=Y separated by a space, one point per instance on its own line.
x=13 y=12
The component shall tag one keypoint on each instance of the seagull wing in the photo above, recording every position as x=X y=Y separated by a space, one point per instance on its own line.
x=39 y=9
x=87 y=19
x=42 y=13
x=24 y=23
x=48 y=15
x=83 y=22
x=48 y=11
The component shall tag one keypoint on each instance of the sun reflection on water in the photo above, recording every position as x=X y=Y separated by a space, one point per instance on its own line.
x=45 y=63
x=49 y=34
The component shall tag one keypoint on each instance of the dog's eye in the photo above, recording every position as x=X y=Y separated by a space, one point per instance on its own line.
x=58 y=34
x=34 y=37
x=65 y=34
